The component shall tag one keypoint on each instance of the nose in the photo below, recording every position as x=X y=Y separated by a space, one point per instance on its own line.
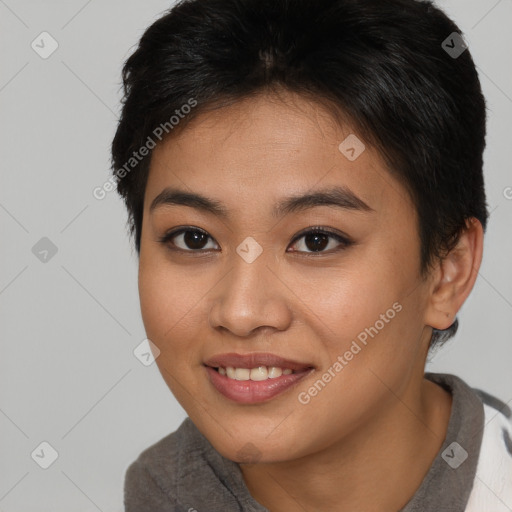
x=251 y=297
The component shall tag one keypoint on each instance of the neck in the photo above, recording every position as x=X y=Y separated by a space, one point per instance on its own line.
x=377 y=467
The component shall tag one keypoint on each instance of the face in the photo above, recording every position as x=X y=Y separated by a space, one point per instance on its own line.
x=328 y=288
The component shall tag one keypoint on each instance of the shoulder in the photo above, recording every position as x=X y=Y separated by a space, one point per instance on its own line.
x=182 y=472
x=496 y=403
x=498 y=422
x=482 y=425
x=493 y=485
x=151 y=481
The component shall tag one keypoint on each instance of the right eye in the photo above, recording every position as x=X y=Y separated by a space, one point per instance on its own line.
x=191 y=239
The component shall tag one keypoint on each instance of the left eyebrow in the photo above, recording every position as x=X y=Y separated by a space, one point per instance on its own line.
x=338 y=197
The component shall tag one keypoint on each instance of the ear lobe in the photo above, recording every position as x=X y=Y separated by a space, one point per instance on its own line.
x=454 y=277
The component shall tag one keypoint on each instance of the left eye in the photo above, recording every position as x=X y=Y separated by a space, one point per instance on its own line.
x=318 y=239
x=315 y=240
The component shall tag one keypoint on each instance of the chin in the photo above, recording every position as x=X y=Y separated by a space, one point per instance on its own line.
x=251 y=446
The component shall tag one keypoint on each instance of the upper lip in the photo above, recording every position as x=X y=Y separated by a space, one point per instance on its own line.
x=254 y=360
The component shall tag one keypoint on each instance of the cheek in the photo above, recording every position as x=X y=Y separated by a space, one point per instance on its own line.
x=373 y=323
x=352 y=301
x=170 y=304
x=167 y=295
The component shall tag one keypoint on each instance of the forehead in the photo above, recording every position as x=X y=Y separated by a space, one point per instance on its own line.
x=256 y=151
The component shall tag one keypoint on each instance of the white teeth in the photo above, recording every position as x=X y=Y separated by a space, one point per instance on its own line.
x=260 y=373
x=242 y=374
x=274 y=372
x=256 y=374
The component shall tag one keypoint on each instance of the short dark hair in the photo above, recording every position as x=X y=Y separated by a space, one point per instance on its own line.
x=380 y=64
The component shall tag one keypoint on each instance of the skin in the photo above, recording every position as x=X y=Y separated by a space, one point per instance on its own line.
x=367 y=440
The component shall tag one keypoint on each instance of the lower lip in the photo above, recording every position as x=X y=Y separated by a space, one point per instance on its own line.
x=251 y=391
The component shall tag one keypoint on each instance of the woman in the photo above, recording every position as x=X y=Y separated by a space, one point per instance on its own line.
x=304 y=185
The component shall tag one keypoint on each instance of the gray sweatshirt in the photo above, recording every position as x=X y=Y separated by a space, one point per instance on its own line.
x=184 y=473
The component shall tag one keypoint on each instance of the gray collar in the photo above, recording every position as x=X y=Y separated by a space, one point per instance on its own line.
x=443 y=488
x=447 y=485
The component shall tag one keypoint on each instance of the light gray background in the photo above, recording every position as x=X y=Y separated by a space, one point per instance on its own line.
x=69 y=326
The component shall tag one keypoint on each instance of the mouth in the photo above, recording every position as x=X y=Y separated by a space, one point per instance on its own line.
x=254 y=378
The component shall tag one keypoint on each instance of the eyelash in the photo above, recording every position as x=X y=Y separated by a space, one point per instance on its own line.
x=344 y=241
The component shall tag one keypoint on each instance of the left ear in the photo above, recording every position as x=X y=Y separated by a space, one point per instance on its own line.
x=454 y=277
